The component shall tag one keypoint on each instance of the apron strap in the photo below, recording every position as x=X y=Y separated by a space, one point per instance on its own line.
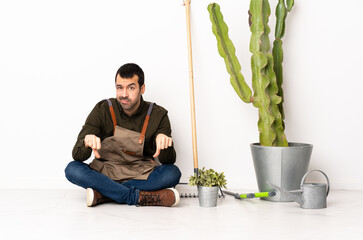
x=144 y=127
x=112 y=114
x=146 y=122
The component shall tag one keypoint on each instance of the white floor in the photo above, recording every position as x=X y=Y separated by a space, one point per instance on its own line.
x=62 y=214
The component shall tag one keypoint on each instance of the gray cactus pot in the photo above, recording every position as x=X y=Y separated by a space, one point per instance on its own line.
x=281 y=166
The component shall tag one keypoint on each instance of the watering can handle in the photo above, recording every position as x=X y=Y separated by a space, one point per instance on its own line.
x=327 y=179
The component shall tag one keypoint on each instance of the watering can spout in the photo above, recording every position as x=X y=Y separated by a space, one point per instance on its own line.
x=295 y=195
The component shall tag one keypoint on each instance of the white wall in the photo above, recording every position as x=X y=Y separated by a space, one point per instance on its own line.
x=58 y=59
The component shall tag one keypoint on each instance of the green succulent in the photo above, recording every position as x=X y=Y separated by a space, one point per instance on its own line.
x=208 y=178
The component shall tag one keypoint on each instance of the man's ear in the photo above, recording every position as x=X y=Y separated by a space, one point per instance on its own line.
x=142 y=89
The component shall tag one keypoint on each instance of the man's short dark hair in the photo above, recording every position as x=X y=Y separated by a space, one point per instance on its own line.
x=129 y=70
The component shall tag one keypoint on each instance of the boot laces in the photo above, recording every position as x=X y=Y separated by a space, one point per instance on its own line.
x=150 y=199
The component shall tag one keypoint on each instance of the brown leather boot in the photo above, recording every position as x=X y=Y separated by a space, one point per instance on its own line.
x=94 y=198
x=166 y=197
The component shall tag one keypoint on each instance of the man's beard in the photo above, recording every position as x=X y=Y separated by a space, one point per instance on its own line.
x=129 y=105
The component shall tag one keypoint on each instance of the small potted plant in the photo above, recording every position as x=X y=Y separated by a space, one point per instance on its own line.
x=208 y=183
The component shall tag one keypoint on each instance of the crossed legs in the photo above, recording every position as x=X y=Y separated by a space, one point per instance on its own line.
x=164 y=176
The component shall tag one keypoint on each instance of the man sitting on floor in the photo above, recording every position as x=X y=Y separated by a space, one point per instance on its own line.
x=126 y=135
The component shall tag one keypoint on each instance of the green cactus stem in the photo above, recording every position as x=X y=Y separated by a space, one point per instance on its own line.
x=264 y=81
x=263 y=77
x=227 y=50
x=281 y=13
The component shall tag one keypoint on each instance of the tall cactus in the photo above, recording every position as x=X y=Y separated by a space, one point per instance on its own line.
x=266 y=83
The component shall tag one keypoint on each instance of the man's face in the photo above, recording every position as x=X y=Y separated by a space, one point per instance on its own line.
x=128 y=93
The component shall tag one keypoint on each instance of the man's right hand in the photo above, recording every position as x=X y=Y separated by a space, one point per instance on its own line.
x=93 y=142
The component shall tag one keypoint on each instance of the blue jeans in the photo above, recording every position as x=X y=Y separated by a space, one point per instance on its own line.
x=163 y=176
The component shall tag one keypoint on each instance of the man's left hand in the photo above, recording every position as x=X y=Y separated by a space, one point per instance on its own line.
x=162 y=142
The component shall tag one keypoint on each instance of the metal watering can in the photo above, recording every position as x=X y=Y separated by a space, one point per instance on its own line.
x=310 y=195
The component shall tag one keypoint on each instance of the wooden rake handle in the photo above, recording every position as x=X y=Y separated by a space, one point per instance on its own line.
x=191 y=87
